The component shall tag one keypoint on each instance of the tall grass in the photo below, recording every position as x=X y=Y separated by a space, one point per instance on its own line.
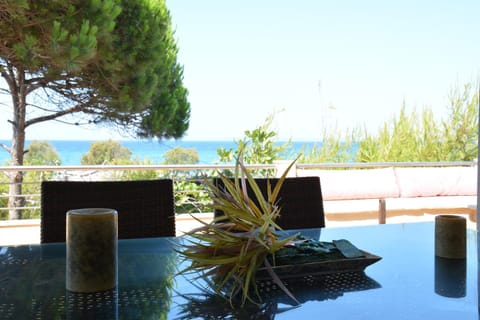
x=409 y=136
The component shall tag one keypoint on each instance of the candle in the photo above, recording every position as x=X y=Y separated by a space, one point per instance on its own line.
x=450 y=236
x=91 y=249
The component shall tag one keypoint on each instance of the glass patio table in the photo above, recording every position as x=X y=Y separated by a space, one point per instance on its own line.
x=407 y=283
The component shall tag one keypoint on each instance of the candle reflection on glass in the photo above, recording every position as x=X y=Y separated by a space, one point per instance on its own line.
x=98 y=305
x=91 y=250
x=450 y=277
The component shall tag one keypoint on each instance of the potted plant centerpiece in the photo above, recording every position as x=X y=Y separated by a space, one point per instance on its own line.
x=233 y=250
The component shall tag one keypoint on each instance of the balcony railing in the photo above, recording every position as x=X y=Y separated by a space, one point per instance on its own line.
x=187 y=200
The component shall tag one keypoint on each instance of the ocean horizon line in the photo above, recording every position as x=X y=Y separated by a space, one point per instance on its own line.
x=71 y=151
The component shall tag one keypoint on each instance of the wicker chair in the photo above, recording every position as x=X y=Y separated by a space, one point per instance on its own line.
x=300 y=199
x=145 y=208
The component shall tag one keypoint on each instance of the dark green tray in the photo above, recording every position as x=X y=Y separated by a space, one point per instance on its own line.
x=323 y=267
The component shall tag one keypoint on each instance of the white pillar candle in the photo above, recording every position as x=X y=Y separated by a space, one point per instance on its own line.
x=91 y=249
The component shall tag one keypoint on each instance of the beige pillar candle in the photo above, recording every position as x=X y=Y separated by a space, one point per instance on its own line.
x=91 y=249
x=450 y=236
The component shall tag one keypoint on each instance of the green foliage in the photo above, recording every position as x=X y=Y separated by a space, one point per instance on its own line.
x=191 y=197
x=334 y=148
x=39 y=153
x=181 y=155
x=413 y=137
x=3 y=196
x=135 y=174
x=42 y=153
x=259 y=146
x=106 y=152
x=461 y=128
x=429 y=148
x=149 y=50
x=113 y=153
x=115 y=61
x=397 y=140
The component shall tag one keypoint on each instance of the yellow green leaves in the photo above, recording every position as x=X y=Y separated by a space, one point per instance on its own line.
x=229 y=250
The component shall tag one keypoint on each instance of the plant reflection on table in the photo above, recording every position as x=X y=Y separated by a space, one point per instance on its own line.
x=209 y=305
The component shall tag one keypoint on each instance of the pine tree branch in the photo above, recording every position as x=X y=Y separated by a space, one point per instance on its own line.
x=52 y=116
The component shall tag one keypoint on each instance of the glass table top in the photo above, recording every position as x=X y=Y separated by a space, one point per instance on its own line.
x=409 y=282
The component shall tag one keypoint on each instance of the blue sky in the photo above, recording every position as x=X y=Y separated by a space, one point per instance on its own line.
x=324 y=63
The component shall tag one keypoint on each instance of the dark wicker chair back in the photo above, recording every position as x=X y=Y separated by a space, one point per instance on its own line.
x=145 y=208
x=300 y=199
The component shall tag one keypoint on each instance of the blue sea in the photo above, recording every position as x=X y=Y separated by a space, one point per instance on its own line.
x=71 y=151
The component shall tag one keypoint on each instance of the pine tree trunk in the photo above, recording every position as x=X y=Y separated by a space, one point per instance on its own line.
x=15 y=200
x=19 y=95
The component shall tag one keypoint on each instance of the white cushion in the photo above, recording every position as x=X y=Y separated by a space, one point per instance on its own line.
x=429 y=182
x=355 y=183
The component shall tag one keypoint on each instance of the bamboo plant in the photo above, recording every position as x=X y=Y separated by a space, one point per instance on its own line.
x=228 y=251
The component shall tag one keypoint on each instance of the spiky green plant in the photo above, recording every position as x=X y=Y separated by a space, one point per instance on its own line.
x=229 y=250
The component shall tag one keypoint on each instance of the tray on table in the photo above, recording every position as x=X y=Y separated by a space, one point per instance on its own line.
x=343 y=257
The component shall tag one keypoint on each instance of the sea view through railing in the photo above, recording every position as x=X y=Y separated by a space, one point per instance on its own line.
x=71 y=151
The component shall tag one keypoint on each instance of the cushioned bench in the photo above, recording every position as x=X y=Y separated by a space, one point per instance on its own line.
x=356 y=193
